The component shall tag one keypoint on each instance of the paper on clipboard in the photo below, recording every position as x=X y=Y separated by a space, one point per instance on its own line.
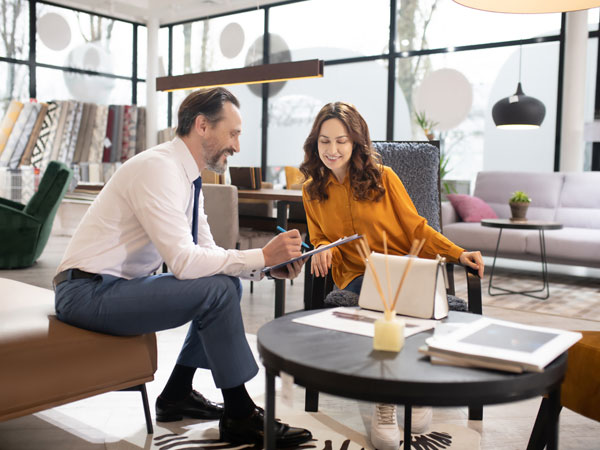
x=316 y=250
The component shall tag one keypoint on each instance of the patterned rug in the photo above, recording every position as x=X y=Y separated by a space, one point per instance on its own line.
x=570 y=296
x=328 y=434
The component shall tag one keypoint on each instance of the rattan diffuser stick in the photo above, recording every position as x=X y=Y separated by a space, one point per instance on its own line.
x=362 y=251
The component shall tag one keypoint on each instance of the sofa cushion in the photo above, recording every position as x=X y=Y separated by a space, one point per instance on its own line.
x=471 y=209
x=495 y=188
x=575 y=244
x=580 y=200
x=474 y=236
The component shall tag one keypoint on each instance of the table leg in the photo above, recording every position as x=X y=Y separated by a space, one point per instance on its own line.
x=407 y=426
x=528 y=293
x=269 y=424
x=554 y=411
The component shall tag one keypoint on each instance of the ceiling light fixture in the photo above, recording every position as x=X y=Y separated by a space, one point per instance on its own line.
x=530 y=7
x=519 y=111
x=265 y=73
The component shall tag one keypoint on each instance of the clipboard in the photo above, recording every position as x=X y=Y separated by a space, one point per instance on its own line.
x=316 y=250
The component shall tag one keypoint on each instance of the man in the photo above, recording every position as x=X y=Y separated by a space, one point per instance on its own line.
x=147 y=214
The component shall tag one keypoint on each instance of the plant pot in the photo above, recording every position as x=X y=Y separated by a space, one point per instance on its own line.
x=518 y=210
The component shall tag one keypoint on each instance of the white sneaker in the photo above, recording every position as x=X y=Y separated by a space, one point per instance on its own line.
x=420 y=419
x=385 y=434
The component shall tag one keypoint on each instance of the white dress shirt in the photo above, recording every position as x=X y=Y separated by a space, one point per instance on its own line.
x=143 y=217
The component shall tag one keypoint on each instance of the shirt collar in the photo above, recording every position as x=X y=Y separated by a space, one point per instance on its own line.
x=184 y=155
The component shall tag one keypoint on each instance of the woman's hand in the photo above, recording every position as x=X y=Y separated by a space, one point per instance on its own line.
x=320 y=263
x=473 y=260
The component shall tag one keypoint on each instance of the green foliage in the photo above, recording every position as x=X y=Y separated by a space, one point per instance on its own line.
x=425 y=123
x=519 y=197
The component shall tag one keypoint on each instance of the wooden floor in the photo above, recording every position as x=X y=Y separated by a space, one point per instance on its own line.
x=504 y=426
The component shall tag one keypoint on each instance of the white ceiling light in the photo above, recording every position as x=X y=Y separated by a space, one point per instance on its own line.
x=531 y=6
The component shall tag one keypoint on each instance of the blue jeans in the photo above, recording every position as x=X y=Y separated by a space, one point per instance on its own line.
x=354 y=285
x=215 y=340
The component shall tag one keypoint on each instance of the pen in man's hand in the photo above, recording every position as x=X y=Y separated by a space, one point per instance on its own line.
x=282 y=230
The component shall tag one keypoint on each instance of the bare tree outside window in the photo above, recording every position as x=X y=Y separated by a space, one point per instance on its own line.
x=13 y=40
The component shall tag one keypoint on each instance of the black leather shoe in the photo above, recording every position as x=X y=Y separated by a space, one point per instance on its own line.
x=250 y=431
x=194 y=406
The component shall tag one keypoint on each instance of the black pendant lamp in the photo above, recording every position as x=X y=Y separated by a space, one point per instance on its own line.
x=519 y=111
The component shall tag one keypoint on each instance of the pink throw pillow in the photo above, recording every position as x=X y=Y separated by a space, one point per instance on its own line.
x=471 y=209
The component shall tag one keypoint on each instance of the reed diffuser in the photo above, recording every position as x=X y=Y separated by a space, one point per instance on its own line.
x=389 y=330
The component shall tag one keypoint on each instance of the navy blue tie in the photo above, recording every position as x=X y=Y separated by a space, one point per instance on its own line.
x=197 y=187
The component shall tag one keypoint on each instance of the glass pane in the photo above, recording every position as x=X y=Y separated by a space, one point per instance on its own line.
x=141 y=94
x=53 y=84
x=590 y=96
x=294 y=108
x=80 y=40
x=354 y=25
x=163 y=52
x=216 y=44
x=476 y=144
x=142 y=51
x=593 y=19
x=16 y=85
x=443 y=23
x=14 y=29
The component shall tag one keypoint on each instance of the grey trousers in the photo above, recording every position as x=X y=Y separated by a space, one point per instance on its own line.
x=216 y=339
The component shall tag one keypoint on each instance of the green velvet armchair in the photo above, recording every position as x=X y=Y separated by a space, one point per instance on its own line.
x=24 y=229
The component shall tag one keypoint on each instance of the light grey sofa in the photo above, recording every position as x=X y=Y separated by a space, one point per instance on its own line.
x=572 y=199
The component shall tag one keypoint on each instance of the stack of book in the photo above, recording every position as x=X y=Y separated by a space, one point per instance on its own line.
x=498 y=344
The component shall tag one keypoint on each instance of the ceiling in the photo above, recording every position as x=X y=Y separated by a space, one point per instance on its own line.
x=166 y=11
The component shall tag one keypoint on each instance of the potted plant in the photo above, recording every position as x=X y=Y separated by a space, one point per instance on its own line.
x=519 y=202
x=425 y=124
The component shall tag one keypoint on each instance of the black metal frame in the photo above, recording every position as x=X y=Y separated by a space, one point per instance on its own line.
x=141 y=388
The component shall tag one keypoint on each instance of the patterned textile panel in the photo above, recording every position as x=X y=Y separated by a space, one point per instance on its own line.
x=117 y=136
x=67 y=148
x=15 y=159
x=43 y=146
x=125 y=132
x=12 y=114
x=129 y=133
x=98 y=135
x=15 y=135
x=108 y=133
x=65 y=111
x=140 y=142
x=83 y=125
x=37 y=127
x=87 y=135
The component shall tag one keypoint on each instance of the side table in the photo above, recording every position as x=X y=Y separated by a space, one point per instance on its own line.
x=539 y=225
x=346 y=365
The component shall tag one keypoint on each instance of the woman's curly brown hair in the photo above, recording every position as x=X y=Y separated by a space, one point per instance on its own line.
x=365 y=166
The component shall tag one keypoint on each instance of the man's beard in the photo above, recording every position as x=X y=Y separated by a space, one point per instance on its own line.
x=214 y=162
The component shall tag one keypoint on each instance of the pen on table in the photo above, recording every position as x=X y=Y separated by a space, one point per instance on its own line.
x=282 y=230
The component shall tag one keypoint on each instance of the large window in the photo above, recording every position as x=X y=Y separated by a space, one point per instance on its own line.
x=78 y=55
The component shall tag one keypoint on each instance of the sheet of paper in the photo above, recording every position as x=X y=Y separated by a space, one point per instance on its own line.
x=356 y=320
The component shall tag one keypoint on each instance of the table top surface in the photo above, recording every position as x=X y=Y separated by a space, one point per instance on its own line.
x=525 y=224
x=289 y=195
x=345 y=364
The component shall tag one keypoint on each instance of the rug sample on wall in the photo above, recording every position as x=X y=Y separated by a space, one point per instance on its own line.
x=570 y=296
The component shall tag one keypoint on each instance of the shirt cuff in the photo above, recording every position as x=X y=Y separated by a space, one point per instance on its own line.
x=255 y=261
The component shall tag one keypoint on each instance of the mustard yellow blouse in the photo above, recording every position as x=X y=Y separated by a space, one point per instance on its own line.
x=341 y=215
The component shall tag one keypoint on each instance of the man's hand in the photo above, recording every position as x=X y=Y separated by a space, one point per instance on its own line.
x=473 y=260
x=290 y=271
x=282 y=248
x=320 y=263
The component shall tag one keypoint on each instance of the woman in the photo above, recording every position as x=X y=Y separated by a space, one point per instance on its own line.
x=348 y=191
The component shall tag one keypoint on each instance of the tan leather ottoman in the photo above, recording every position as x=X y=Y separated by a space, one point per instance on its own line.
x=45 y=362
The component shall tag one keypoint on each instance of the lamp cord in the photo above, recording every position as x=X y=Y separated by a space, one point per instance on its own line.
x=520 y=58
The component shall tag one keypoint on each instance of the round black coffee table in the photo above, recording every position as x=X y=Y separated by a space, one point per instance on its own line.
x=524 y=224
x=346 y=365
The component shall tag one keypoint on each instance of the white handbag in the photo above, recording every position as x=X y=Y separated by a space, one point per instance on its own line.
x=423 y=293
